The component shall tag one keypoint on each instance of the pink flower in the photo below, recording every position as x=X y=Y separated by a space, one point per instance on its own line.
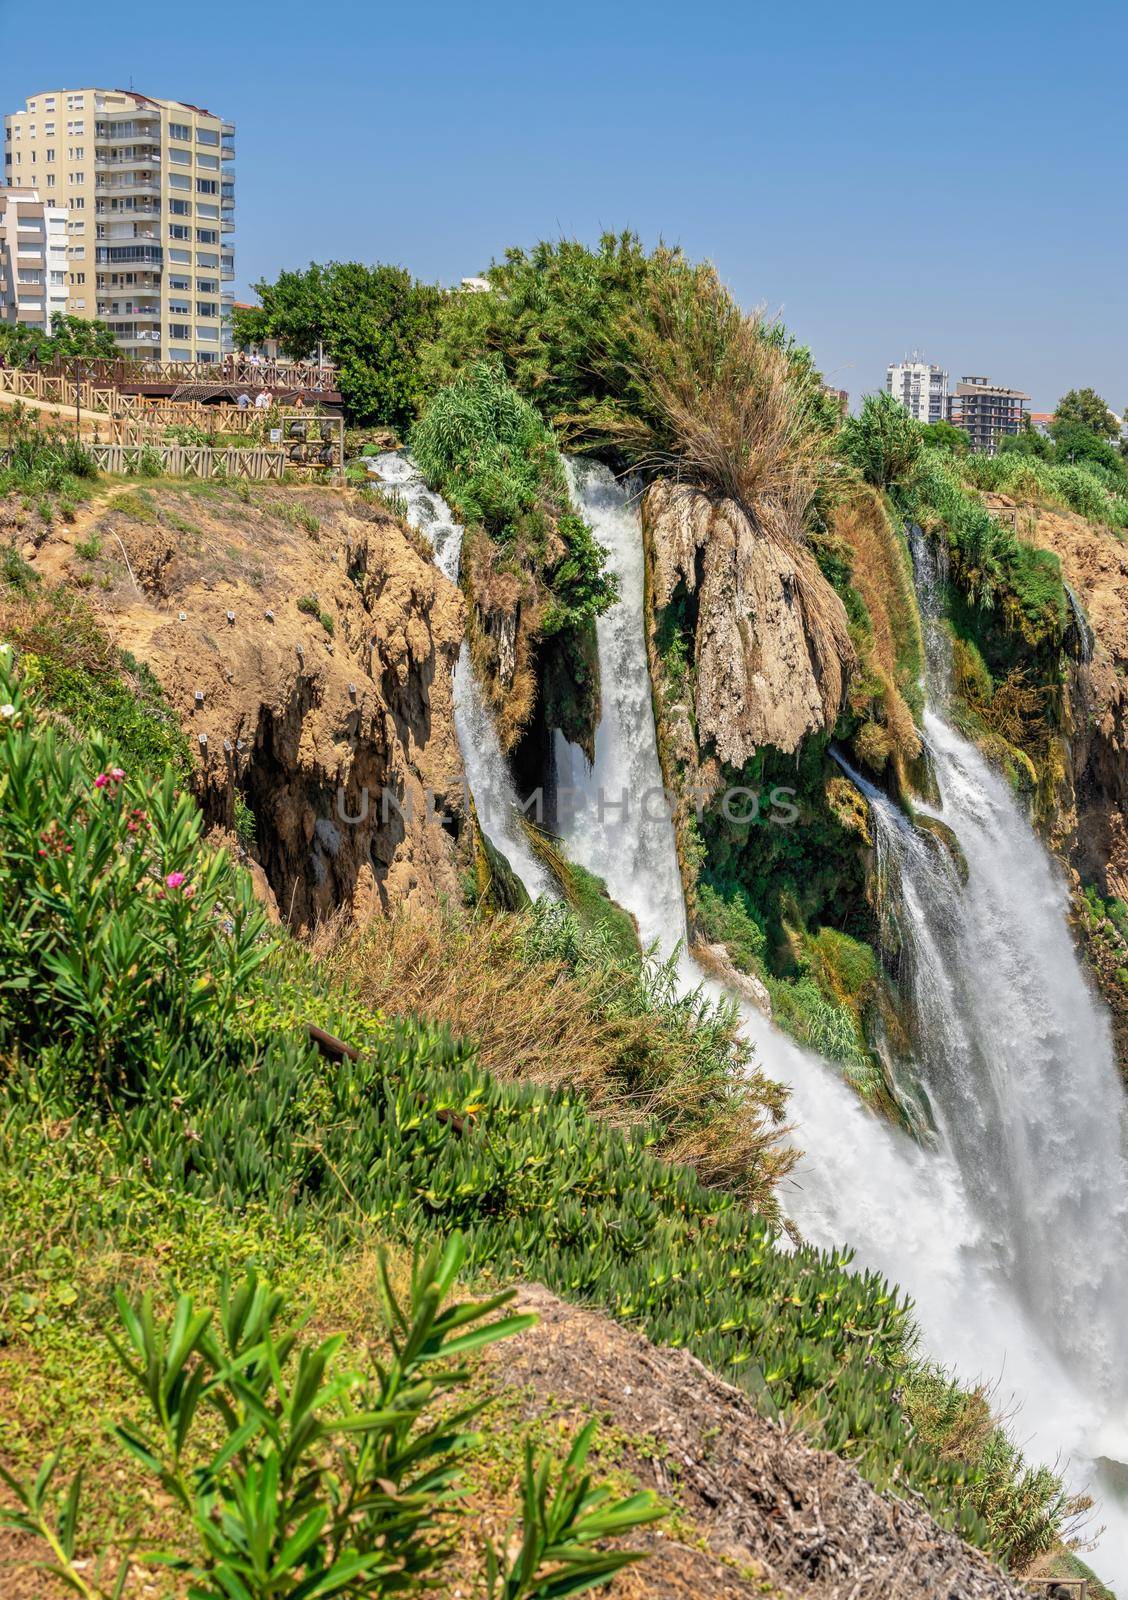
x=190 y=891
x=174 y=880
x=101 y=780
x=117 y=774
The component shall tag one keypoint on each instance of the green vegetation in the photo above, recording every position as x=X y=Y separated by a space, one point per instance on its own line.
x=648 y=360
x=559 y=995
x=487 y=450
x=323 y=1482
x=136 y=972
x=70 y=338
x=1092 y=490
x=371 y=321
x=87 y=684
x=883 y=441
x=43 y=465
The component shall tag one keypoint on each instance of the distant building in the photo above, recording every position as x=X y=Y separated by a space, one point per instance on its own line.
x=986 y=412
x=149 y=194
x=1042 y=422
x=919 y=386
x=33 y=259
x=839 y=396
x=476 y=286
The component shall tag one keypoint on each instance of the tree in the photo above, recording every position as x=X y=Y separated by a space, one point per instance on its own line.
x=1085 y=408
x=71 y=338
x=371 y=321
x=1026 y=442
x=944 y=436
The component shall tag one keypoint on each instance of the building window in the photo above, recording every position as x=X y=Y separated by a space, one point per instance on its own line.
x=179 y=283
x=205 y=258
x=207 y=136
x=207 y=286
x=181 y=257
x=50 y=180
x=207 y=308
x=182 y=158
x=50 y=155
x=179 y=180
x=207 y=236
x=77 y=203
x=180 y=208
x=179 y=130
x=207 y=186
x=179 y=330
x=177 y=230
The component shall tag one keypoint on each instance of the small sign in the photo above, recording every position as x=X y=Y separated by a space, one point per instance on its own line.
x=276 y=435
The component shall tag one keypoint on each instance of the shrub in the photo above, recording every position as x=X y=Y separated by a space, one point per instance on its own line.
x=81 y=679
x=109 y=904
x=487 y=450
x=323 y=1484
x=555 y=312
x=883 y=442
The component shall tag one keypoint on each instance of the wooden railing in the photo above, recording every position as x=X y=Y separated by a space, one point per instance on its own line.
x=238 y=369
x=37 y=384
x=192 y=461
x=183 y=461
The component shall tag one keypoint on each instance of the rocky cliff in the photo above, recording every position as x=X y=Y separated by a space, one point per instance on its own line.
x=308 y=644
x=771 y=643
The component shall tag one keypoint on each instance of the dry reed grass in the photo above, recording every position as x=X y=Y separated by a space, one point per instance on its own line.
x=715 y=402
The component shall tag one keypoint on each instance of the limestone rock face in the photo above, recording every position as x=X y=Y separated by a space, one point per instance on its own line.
x=321 y=643
x=773 y=651
x=1094 y=562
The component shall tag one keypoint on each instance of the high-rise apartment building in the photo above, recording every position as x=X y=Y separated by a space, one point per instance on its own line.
x=986 y=412
x=33 y=259
x=149 y=193
x=920 y=387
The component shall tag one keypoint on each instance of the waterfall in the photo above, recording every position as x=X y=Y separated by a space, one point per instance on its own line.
x=487 y=773
x=1006 y=1234
x=1013 y=1273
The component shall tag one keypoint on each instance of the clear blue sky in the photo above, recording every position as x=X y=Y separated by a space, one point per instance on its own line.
x=885 y=176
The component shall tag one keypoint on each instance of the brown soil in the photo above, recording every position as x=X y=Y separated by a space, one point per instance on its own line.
x=757 y=1505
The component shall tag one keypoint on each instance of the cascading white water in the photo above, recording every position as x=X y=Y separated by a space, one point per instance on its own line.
x=948 y=1225
x=487 y=775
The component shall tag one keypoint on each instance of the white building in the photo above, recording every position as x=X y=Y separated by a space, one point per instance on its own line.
x=920 y=387
x=33 y=259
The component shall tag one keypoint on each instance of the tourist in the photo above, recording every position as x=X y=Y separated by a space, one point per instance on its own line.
x=243 y=401
x=262 y=400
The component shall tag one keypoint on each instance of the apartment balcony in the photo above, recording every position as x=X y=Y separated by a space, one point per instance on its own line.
x=227 y=151
x=227 y=191
x=129 y=251
x=227 y=270
x=114 y=313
